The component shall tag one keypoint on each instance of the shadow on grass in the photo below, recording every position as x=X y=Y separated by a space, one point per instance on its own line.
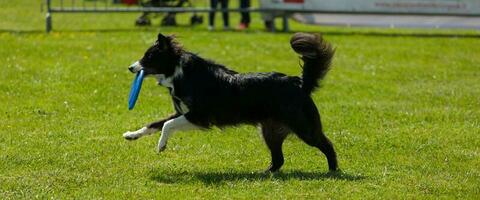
x=217 y=178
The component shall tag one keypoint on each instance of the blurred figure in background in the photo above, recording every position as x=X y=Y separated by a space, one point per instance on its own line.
x=211 y=14
x=245 y=20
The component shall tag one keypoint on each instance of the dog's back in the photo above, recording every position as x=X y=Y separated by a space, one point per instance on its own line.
x=220 y=96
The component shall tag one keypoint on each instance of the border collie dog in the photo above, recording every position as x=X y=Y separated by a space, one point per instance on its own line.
x=207 y=94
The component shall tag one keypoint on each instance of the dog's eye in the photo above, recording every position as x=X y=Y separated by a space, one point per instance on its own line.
x=148 y=55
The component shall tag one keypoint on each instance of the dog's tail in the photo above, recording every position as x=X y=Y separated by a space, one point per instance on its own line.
x=316 y=54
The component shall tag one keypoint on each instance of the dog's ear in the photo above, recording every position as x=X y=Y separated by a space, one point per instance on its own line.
x=164 y=42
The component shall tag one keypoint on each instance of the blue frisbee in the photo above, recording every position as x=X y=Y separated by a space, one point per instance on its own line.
x=136 y=86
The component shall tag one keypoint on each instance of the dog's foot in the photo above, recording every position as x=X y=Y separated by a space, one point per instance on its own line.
x=131 y=135
x=272 y=169
x=335 y=172
x=161 y=148
x=269 y=171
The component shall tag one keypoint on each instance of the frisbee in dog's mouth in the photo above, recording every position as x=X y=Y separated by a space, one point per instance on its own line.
x=135 y=90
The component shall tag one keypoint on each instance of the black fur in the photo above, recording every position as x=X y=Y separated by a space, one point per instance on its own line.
x=218 y=96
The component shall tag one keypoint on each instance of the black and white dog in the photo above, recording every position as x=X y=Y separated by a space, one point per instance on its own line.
x=207 y=94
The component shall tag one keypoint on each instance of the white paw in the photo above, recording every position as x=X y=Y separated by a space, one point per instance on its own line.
x=161 y=148
x=131 y=135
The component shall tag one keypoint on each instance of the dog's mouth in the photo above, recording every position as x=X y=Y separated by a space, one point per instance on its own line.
x=161 y=79
x=135 y=67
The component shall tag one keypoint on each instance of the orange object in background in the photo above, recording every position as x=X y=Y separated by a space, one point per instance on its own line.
x=130 y=2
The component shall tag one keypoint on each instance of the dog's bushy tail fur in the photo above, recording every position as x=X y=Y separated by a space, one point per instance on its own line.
x=316 y=54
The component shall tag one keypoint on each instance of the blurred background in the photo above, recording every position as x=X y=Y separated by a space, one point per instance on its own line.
x=400 y=104
x=272 y=15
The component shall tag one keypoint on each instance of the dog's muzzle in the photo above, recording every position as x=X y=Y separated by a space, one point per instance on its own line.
x=135 y=67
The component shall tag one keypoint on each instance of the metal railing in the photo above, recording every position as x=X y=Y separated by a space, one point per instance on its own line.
x=107 y=6
x=268 y=10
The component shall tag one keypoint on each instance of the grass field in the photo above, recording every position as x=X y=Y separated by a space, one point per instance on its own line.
x=400 y=105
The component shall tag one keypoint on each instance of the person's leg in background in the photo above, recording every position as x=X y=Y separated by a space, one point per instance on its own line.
x=245 y=20
x=211 y=14
x=226 y=19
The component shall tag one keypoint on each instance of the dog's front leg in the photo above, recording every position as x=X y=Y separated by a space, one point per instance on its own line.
x=149 y=129
x=177 y=124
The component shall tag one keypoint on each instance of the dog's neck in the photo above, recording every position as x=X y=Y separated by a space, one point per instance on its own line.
x=167 y=81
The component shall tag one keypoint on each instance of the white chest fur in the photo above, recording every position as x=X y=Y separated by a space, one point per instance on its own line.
x=168 y=82
x=181 y=107
x=165 y=81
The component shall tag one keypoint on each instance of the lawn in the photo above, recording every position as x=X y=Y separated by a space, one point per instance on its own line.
x=402 y=107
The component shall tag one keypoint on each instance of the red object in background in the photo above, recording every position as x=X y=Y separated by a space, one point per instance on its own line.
x=294 y=1
x=130 y=2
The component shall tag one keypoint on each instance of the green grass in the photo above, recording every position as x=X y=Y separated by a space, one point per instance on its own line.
x=400 y=105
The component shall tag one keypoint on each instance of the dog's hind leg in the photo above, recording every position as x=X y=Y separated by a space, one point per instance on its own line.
x=312 y=134
x=307 y=126
x=319 y=140
x=149 y=129
x=274 y=134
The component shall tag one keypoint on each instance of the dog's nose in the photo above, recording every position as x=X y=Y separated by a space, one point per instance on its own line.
x=135 y=67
